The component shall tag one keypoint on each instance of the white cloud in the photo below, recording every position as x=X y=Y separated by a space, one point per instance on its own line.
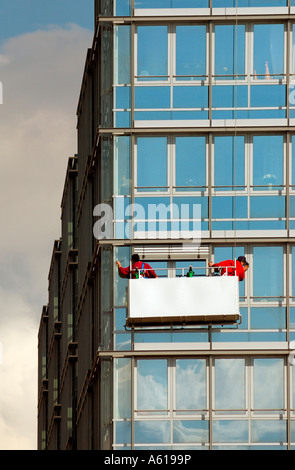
x=18 y=374
x=41 y=74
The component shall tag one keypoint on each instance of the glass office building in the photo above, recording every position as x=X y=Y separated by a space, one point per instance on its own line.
x=184 y=104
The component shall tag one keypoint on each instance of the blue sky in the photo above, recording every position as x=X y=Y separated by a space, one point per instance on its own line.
x=25 y=16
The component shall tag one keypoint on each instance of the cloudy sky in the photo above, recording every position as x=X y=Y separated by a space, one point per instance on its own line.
x=43 y=48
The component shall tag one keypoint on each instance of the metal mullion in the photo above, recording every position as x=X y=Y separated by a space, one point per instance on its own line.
x=210 y=393
x=210 y=70
x=132 y=71
x=210 y=179
x=289 y=370
x=287 y=68
x=132 y=402
x=287 y=161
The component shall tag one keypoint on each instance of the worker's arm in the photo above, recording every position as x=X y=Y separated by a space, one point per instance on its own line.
x=151 y=272
x=123 y=272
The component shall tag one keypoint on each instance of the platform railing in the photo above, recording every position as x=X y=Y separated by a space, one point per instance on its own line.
x=185 y=271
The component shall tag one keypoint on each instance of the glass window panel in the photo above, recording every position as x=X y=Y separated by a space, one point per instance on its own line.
x=268 y=160
x=122 y=55
x=120 y=319
x=230 y=384
x=152 y=115
x=189 y=3
x=190 y=61
x=229 y=162
x=267 y=207
x=160 y=268
x=171 y=3
x=268 y=376
x=122 y=341
x=268 y=50
x=266 y=96
x=268 y=272
x=152 y=384
x=293 y=161
x=151 y=432
x=122 y=97
x=293 y=271
x=229 y=50
x=123 y=255
x=152 y=208
x=229 y=207
x=227 y=252
x=152 y=52
x=187 y=207
x=292 y=316
x=249 y=3
x=122 y=166
x=123 y=388
x=122 y=7
x=190 y=166
x=230 y=431
x=149 y=97
x=292 y=209
x=228 y=96
x=190 y=431
x=190 y=384
x=293 y=46
x=152 y=162
x=189 y=115
x=268 y=431
x=268 y=318
x=123 y=432
x=190 y=97
x=122 y=119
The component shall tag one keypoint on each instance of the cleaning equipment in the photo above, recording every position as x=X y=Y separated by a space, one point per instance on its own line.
x=139 y=273
x=190 y=272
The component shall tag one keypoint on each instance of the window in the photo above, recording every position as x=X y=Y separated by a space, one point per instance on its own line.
x=152 y=52
x=268 y=162
x=268 y=272
x=190 y=52
x=268 y=61
x=172 y=66
x=190 y=385
x=152 y=386
x=171 y=3
x=268 y=384
x=152 y=164
x=190 y=163
x=229 y=51
x=249 y=3
x=230 y=387
x=172 y=399
x=229 y=163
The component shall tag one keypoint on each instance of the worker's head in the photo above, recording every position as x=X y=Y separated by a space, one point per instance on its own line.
x=135 y=258
x=246 y=266
x=242 y=260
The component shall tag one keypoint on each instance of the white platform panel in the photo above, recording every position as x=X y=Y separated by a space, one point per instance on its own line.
x=183 y=300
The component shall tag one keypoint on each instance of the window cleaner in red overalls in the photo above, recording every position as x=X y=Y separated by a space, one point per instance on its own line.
x=139 y=269
x=232 y=267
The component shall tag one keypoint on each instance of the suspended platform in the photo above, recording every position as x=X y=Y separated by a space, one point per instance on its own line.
x=183 y=301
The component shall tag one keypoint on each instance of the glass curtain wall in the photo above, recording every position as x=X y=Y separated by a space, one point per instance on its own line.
x=204 y=109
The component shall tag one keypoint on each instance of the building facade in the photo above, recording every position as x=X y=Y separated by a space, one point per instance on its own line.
x=183 y=104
